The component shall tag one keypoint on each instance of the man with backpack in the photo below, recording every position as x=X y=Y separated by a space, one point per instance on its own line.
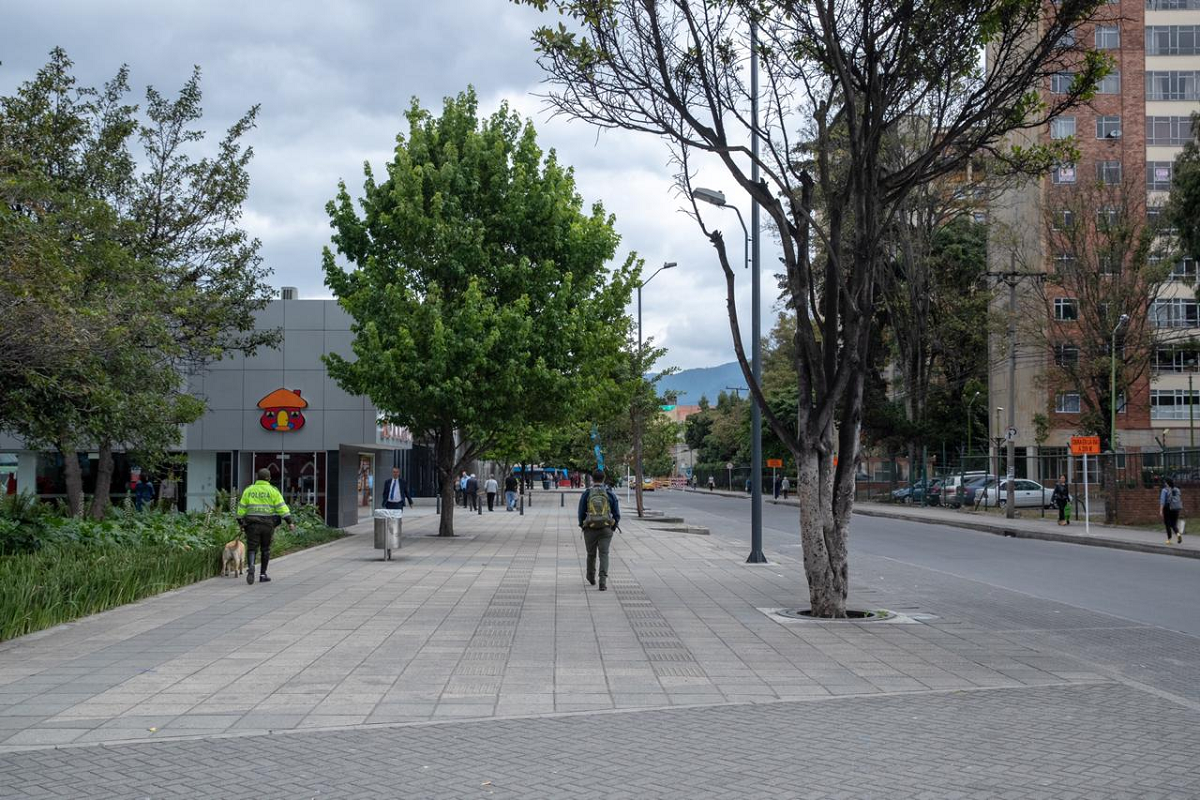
x=1170 y=502
x=599 y=516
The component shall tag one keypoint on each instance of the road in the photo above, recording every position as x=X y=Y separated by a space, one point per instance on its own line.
x=1148 y=589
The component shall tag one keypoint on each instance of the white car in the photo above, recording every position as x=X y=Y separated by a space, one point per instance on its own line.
x=1029 y=494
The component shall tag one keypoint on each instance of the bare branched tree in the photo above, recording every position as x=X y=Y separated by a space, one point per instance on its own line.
x=840 y=81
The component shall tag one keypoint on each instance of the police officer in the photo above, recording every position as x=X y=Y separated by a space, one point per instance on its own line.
x=259 y=511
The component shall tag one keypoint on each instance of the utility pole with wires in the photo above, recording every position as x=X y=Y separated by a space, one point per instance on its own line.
x=1011 y=278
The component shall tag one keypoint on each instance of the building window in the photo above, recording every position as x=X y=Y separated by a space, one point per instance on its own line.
x=1183 y=270
x=1170 y=360
x=1156 y=218
x=1172 y=5
x=1168 y=130
x=1060 y=82
x=1108 y=37
x=1109 y=84
x=1063 y=262
x=1174 y=312
x=1066 y=309
x=1066 y=402
x=1063 y=220
x=1067 y=39
x=1063 y=173
x=1108 y=127
x=1108 y=172
x=1107 y=218
x=1158 y=175
x=1062 y=127
x=1172 y=40
x=1171 y=85
x=1108 y=263
x=1172 y=403
x=1066 y=355
x=1122 y=403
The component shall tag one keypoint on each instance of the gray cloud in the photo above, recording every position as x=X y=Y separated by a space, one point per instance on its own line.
x=334 y=81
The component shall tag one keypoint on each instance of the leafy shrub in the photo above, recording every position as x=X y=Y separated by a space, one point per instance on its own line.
x=54 y=569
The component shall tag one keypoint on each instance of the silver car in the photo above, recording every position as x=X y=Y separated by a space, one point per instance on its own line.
x=1027 y=493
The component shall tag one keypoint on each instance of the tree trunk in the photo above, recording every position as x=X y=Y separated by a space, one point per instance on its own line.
x=446 y=463
x=822 y=534
x=74 y=478
x=104 y=473
x=637 y=461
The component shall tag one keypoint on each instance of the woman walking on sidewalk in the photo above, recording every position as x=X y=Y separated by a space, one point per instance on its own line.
x=1170 y=503
x=1061 y=499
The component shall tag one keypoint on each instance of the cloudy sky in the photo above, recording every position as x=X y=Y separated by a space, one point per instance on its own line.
x=334 y=79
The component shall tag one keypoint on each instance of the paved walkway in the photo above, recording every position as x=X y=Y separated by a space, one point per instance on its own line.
x=1030 y=524
x=486 y=665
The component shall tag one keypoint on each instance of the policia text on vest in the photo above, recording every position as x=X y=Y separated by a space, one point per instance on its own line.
x=259 y=511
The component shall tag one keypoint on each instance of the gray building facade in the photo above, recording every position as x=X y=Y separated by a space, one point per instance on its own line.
x=278 y=410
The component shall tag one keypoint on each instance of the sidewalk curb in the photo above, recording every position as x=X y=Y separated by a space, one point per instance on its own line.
x=1046 y=536
x=1000 y=529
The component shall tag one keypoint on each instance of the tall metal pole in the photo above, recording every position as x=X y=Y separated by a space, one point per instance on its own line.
x=1011 y=511
x=756 y=552
x=1191 y=414
x=637 y=413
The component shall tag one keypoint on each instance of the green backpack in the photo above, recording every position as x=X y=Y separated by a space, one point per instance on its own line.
x=598 y=511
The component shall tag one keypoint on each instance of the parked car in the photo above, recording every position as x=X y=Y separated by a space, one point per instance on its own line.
x=954 y=487
x=916 y=492
x=1028 y=494
x=973 y=485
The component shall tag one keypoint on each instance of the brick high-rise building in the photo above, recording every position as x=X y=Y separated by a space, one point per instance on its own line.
x=1130 y=134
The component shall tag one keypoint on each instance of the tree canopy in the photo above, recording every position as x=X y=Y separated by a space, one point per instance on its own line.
x=117 y=273
x=479 y=284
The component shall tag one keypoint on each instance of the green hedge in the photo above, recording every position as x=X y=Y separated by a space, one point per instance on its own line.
x=56 y=570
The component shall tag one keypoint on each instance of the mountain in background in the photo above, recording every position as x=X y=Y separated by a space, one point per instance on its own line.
x=692 y=384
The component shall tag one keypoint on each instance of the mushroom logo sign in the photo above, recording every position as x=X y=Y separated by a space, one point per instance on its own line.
x=283 y=410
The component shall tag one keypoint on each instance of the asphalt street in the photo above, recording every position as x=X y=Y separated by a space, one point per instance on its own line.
x=1144 y=588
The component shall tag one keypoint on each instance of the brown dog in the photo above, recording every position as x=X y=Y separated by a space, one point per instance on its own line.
x=233 y=558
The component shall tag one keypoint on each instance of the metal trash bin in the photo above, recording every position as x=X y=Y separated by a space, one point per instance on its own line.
x=387 y=530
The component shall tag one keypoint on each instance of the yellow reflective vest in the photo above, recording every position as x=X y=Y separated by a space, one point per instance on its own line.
x=261 y=499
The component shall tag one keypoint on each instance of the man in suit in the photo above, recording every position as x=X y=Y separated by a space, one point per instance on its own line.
x=395 y=491
x=472 y=490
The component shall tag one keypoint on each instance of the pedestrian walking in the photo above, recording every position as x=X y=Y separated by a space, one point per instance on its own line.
x=491 y=487
x=1170 y=502
x=462 y=488
x=1061 y=499
x=775 y=488
x=260 y=510
x=785 y=485
x=144 y=493
x=472 y=490
x=599 y=516
x=712 y=484
x=510 y=492
x=395 y=491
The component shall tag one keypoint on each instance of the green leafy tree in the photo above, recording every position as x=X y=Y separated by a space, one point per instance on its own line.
x=117 y=274
x=1183 y=207
x=479 y=286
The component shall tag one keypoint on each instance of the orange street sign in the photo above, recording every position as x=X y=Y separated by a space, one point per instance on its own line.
x=1085 y=445
x=775 y=463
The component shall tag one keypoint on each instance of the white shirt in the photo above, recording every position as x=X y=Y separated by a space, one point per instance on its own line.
x=491 y=485
x=394 y=495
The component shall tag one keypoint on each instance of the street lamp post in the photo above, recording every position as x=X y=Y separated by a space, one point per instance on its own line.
x=717 y=199
x=1112 y=431
x=962 y=481
x=998 y=439
x=637 y=433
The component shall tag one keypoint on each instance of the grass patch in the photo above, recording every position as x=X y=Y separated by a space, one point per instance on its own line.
x=54 y=570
